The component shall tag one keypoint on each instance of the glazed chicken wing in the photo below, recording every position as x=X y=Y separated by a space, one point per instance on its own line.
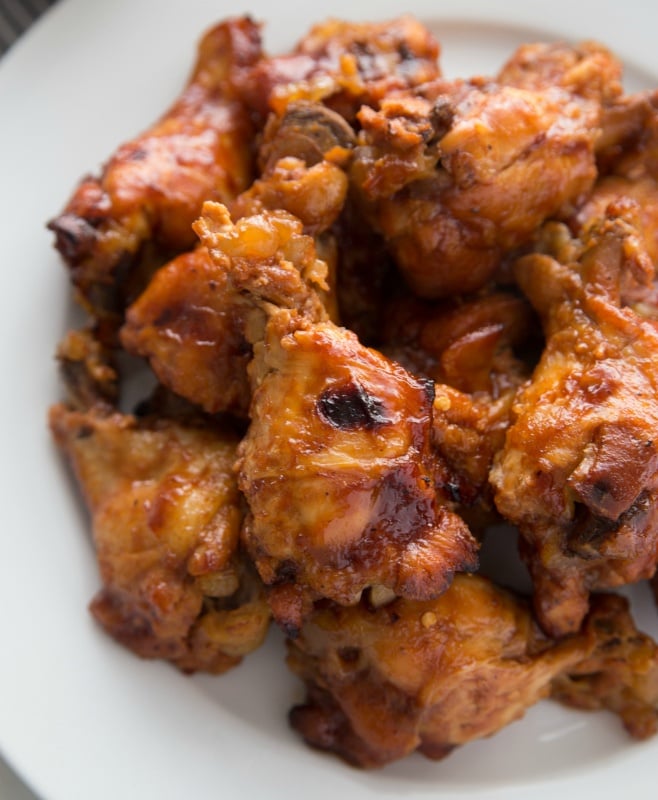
x=433 y=675
x=152 y=188
x=166 y=514
x=345 y=65
x=336 y=466
x=456 y=174
x=189 y=322
x=579 y=470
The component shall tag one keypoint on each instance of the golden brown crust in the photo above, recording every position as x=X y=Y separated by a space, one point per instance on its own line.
x=165 y=514
x=433 y=675
x=579 y=470
x=152 y=188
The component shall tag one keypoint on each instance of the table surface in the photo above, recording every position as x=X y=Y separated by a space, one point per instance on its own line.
x=11 y=787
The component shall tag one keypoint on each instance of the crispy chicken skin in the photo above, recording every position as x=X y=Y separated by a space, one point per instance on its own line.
x=345 y=65
x=579 y=470
x=336 y=466
x=153 y=187
x=456 y=174
x=166 y=514
x=433 y=675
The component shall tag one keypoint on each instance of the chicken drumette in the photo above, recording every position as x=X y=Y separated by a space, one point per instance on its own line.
x=152 y=188
x=579 y=470
x=337 y=465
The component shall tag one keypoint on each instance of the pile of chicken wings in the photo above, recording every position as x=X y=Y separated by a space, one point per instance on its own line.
x=377 y=313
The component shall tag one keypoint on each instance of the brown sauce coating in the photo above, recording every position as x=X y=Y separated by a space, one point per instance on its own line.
x=383 y=310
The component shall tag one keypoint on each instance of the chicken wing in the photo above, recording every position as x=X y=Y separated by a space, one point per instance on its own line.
x=345 y=65
x=188 y=322
x=336 y=466
x=579 y=470
x=166 y=514
x=587 y=69
x=433 y=675
x=454 y=174
x=152 y=188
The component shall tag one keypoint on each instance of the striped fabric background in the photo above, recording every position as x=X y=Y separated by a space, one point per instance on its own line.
x=16 y=16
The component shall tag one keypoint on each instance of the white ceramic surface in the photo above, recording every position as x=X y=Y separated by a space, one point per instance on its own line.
x=80 y=717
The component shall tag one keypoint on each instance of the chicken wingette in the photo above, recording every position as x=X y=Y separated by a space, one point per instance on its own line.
x=433 y=675
x=165 y=514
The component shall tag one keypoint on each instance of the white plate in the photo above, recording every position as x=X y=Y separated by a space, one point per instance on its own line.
x=80 y=717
